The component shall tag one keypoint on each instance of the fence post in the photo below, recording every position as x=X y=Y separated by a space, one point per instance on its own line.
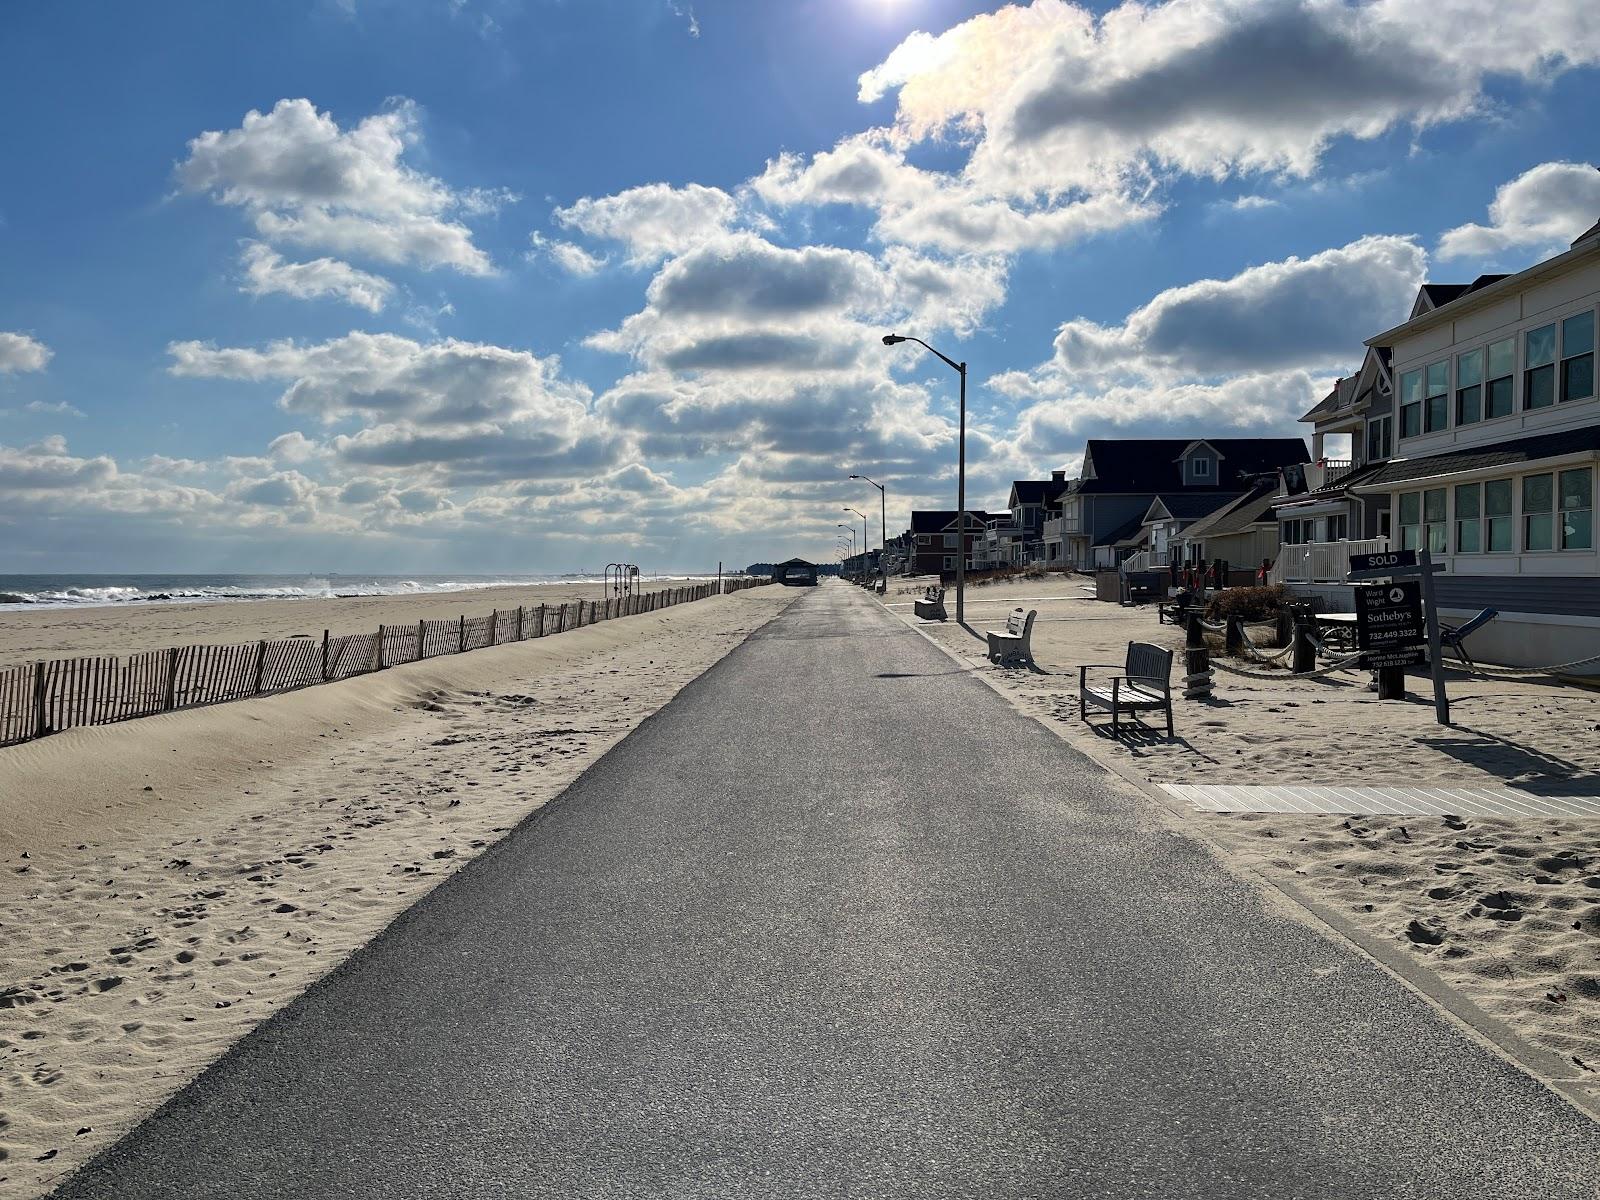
x=379 y=667
x=172 y=680
x=520 y=611
x=41 y=714
x=541 y=622
x=261 y=665
x=325 y=656
x=494 y=625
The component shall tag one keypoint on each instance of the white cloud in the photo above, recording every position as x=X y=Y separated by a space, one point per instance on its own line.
x=569 y=256
x=305 y=181
x=654 y=221
x=59 y=408
x=267 y=272
x=1545 y=208
x=19 y=352
x=1059 y=99
x=1300 y=312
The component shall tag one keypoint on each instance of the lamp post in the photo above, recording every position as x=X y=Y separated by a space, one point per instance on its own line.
x=960 y=368
x=883 y=531
x=864 y=542
x=850 y=529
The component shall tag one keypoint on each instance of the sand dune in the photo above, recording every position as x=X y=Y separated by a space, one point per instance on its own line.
x=165 y=884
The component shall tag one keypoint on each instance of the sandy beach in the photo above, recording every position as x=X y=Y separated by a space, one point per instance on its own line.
x=1505 y=911
x=32 y=634
x=166 y=884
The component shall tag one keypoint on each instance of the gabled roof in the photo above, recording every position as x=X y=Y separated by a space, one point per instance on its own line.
x=796 y=562
x=1190 y=506
x=938 y=520
x=1122 y=532
x=1236 y=515
x=1592 y=232
x=1035 y=491
x=1150 y=464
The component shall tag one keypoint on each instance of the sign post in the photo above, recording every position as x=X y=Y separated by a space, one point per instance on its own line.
x=1392 y=621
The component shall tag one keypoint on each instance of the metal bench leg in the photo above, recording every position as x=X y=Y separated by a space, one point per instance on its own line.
x=1169 y=718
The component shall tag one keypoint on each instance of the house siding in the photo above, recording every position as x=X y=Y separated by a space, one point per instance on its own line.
x=1554 y=595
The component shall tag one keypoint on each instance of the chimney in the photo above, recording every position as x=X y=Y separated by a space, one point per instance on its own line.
x=1058 y=476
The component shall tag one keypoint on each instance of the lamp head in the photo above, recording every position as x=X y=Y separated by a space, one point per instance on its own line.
x=892 y=339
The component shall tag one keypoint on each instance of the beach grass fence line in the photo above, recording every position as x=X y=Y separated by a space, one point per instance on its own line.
x=41 y=698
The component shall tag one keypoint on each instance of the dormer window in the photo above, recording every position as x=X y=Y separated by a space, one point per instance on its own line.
x=1201 y=468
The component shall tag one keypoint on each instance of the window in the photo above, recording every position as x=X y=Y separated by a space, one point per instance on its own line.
x=1338 y=527
x=949 y=562
x=1410 y=404
x=1411 y=520
x=1497 y=516
x=1433 y=519
x=1577 y=502
x=1538 y=522
x=1422 y=521
x=1378 y=438
x=1201 y=467
x=949 y=541
x=924 y=539
x=1469 y=387
x=1298 y=532
x=1502 y=368
x=1436 y=397
x=1384 y=519
x=1469 y=511
x=1577 y=357
x=1539 y=368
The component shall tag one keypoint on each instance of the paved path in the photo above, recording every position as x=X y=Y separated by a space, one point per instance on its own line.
x=837 y=923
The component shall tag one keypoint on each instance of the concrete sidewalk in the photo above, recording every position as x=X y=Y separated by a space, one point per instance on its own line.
x=840 y=922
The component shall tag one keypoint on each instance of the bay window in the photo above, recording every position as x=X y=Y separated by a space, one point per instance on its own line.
x=1410 y=404
x=1577 y=357
x=1436 y=397
x=1538 y=520
x=1577 y=509
x=1539 y=368
x=1502 y=369
x=1469 y=518
x=1469 y=387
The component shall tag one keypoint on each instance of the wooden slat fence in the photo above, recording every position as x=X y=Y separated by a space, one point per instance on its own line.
x=47 y=697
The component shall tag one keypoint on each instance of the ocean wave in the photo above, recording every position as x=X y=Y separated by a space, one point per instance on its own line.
x=312 y=588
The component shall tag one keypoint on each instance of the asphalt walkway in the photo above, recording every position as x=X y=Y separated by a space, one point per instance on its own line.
x=838 y=922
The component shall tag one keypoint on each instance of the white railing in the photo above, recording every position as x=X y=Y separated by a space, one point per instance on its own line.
x=1145 y=560
x=1321 y=562
x=1327 y=472
x=1055 y=527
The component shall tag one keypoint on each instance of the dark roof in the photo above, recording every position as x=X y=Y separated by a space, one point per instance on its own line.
x=1037 y=491
x=1592 y=231
x=1236 y=515
x=1190 y=506
x=1150 y=464
x=1440 y=294
x=936 y=520
x=796 y=562
x=1121 y=532
x=1476 y=458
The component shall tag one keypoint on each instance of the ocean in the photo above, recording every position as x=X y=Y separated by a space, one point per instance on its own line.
x=18 y=592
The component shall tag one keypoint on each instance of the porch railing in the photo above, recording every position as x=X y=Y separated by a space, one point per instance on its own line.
x=1327 y=472
x=1321 y=562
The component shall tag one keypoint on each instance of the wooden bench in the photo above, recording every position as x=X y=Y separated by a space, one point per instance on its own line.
x=931 y=606
x=1145 y=683
x=1015 y=641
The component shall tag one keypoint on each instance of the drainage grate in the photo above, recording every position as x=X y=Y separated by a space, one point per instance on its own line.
x=1381 y=801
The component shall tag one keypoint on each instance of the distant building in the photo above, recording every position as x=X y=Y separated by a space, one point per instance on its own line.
x=796 y=572
x=934 y=534
x=1141 y=492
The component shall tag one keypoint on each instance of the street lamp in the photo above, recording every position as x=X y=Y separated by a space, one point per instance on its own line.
x=864 y=546
x=883 y=528
x=850 y=529
x=960 y=368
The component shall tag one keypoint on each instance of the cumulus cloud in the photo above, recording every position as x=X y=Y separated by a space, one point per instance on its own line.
x=655 y=221
x=59 y=408
x=1544 y=208
x=19 y=352
x=569 y=256
x=1298 y=312
x=305 y=181
x=1058 y=98
x=937 y=210
x=468 y=411
x=266 y=272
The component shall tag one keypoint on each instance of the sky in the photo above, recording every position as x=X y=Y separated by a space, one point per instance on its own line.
x=536 y=285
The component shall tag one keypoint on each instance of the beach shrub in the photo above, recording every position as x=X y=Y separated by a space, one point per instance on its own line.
x=1249 y=603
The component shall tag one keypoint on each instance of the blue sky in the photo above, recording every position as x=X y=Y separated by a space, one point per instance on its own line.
x=450 y=285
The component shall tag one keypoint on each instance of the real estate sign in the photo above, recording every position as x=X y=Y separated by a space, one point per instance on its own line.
x=1389 y=628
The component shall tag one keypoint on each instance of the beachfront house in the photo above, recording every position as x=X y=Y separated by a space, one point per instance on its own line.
x=1242 y=532
x=934 y=535
x=1484 y=451
x=1138 y=493
x=1029 y=502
